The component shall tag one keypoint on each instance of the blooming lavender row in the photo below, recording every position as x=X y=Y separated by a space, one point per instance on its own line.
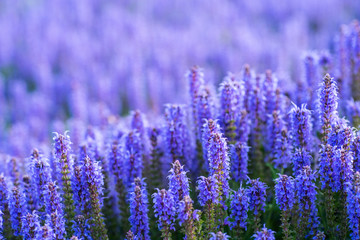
x=218 y=167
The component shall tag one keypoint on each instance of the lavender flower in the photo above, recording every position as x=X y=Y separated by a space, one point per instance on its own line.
x=285 y=199
x=209 y=199
x=353 y=112
x=210 y=126
x=187 y=217
x=195 y=77
x=243 y=126
x=41 y=175
x=264 y=234
x=230 y=101
x=301 y=127
x=17 y=208
x=270 y=86
x=92 y=179
x=31 y=226
x=219 y=162
x=176 y=134
x=178 y=182
x=133 y=155
x=285 y=192
x=46 y=232
x=139 y=213
x=64 y=164
x=353 y=206
x=306 y=195
x=239 y=209
x=257 y=198
x=278 y=140
x=208 y=191
x=328 y=105
x=165 y=211
x=330 y=167
x=355 y=148
x=219 y=236
x=239 y=161
x=205 y=108
x=54 y=210
x=301 y=158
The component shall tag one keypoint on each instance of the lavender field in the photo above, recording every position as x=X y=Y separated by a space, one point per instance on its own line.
x=197 y=120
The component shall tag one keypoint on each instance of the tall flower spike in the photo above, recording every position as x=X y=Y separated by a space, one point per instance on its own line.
x=285 y=199
x=165 y=211
x=187 y=217
x=328 y=103
x=54 y=211
x=17 y=208
x=300 y=158
x=178 y=182
x=277 y=140
x=306 y=195
x=210 y=126
x=219 y=236
x=301 y=127
x=330 y=167
x=355 y=148
x=195 y=77
x=205 y=108
x=270 y=85
x=239 y=161
x=4 y=207
x=31 y=226
x=46 y=233
x=64 y=166
x=230 y=101
x=133 y=155
x=353 y=206
x=176 y=134
x=257 y=198
x=156 y=167
x=219 y=163
x=41 y=175
x=139 y=214
x=264 y=234
x=247 y=78
x=208 y=192
x=243 y=126
x=92 y=179
x=208 y=198
x=29 y=193
x=239 y=210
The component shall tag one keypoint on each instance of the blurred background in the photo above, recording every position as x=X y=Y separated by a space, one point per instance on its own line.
x=66 y=64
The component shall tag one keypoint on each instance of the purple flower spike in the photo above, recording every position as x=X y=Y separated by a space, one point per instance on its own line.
x=219 y=236
x=264 y=234
x=301 y=158
x=301 y=127
x=165 y=211
x=239 y=209
x=328 y=103
x=257 y=198
x=353 y=206
x=139 y=214
x=195 y=77
x=178 y=182
x=285 y=192
x=17 y=208
x=219 y=162
x=306 y=195
x=177 y=135
x=208 y=191
x=239 y=161
x=31 y=226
